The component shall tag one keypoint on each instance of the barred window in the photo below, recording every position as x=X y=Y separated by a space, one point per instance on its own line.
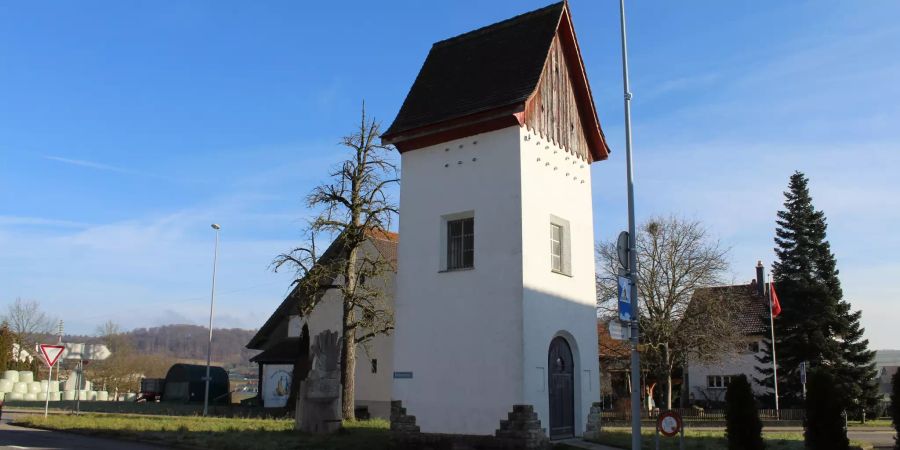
x=461 y=243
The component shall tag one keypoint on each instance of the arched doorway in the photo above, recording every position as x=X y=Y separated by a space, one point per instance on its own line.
x=562 y=389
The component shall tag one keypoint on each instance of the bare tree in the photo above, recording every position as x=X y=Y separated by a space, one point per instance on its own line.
x=675 y=258
x=27 y=322
x=350 y=207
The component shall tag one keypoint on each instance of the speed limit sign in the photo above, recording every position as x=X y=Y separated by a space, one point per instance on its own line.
x=669 y=423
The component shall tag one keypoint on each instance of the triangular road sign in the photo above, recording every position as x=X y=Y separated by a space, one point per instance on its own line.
x=51 y=353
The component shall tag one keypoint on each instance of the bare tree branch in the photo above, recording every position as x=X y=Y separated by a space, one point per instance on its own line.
x=349 y=206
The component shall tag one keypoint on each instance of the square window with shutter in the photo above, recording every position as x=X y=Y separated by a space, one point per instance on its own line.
x=560 y=246
x=556 y=247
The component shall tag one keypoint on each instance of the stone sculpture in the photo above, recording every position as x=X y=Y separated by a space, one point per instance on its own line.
x=319 y=402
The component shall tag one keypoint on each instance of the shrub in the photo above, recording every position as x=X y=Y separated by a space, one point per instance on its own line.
x=743 y=427
x=824 y=415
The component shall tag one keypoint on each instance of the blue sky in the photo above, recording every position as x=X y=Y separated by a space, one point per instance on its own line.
x=126 y=128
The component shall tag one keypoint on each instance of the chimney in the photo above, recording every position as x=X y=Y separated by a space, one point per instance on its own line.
x=760 y=282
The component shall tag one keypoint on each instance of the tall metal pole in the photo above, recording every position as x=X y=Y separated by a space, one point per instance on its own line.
x=632 y=254
x=212 y=303
x=774 y=360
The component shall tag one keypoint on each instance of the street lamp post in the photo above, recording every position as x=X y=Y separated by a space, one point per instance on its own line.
x=212 y=303
x=632 y=250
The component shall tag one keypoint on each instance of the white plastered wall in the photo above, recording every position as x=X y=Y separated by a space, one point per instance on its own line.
x=556 y=184
x=476 y=341
x=734 y=364
x=460 y=332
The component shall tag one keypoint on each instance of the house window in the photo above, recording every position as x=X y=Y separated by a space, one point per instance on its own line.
x=556 y=247
x=719 y=381
x=560 y=246
x=374 y=365
x=461 y=243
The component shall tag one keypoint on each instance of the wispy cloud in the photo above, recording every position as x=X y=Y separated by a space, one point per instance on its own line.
x=39 y=221
x=89 y=164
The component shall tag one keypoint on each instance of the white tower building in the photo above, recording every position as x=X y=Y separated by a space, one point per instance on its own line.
x=495 y=297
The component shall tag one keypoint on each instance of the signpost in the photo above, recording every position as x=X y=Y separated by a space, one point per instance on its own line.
x=617 y=331
x=51 y=354
x=669 y=424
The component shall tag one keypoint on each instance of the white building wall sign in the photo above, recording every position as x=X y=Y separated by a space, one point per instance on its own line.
x=276 y=384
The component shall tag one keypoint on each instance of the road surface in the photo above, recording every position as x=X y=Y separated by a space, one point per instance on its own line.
x=880 y=438
x=19 y=438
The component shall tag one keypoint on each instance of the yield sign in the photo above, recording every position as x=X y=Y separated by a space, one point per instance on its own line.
x=51 y=353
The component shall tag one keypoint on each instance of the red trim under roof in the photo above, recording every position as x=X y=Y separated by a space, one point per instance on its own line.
x=514 y=114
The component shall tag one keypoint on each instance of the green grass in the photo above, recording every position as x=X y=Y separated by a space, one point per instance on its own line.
x=699 y=439
x=871 y=423
x=212 y=432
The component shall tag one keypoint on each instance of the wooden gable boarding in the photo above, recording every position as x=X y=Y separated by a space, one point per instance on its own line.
x=526 y=70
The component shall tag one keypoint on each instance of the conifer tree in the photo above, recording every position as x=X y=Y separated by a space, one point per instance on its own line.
x=743 y=427
x=816 y=325
x=824 y=414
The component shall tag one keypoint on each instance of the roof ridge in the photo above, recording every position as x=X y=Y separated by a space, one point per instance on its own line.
x=495 y=26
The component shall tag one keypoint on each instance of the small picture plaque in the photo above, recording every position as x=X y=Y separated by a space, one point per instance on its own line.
x=398 y=375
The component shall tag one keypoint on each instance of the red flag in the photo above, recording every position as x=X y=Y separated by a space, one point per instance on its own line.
x=776 y=306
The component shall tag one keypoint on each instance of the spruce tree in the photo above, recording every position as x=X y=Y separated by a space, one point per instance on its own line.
x=743 y=427
x=816 y=325
x=824 y=414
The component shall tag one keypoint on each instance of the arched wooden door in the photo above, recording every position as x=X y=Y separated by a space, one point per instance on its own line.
x=562 y=389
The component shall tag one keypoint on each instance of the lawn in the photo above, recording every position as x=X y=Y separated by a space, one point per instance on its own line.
x=697 y=439
x=213 y=432
x=871 y=423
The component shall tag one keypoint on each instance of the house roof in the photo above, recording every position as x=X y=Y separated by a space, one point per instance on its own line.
x=385 y=242
x=609 y=348
x=285 y=351
x=487 y=75
x=751 y=309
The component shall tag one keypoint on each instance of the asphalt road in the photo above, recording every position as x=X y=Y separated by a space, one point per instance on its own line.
x=13 y=437
x=879 y=438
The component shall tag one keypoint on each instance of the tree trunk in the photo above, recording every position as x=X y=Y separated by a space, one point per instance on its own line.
x=669 y=390
x=348 y=343
x=348 y=370
x=301 y=369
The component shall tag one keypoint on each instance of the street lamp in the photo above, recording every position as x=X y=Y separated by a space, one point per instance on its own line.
x=212 y=302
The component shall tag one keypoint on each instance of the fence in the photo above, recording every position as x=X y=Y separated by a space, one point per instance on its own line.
x=704 y=415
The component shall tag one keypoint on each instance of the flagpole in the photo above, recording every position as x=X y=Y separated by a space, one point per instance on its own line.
x=774 y=360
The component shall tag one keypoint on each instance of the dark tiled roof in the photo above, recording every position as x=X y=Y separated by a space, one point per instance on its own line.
x=751 y=309
x=285 y=351
x=492 y=67
x=386 y=244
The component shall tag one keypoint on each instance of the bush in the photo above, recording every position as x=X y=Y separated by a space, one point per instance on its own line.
x=895 y=407
x=743 y=427
x=824 y=415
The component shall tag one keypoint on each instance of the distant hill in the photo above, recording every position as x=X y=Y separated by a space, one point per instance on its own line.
x=887 y=358
x=188 y=343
